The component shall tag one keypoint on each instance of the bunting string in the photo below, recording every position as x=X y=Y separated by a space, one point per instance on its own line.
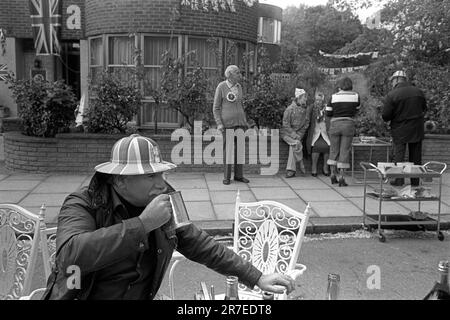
x=334 y=71
x=372 y=54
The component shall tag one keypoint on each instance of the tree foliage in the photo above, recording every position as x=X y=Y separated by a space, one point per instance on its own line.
x=306 y=30
x=421 y=28
x=369 y=40
x=264 y=103
x=184 y=85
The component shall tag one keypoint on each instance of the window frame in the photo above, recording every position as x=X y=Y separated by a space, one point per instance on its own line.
x=149 y=99
x=221 y=47
x=106 y=50
x=276 y=31
x=102 y=58
x=142 y=44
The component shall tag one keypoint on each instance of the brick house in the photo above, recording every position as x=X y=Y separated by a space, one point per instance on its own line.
x=104 y=34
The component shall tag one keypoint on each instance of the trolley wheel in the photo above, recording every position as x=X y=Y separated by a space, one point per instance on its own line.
x=441 y=236
x=381 y=237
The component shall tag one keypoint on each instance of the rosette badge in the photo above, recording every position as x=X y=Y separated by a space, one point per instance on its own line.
x=231 y=97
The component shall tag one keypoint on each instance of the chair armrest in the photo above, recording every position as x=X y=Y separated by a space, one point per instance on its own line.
x=298 y=271
x=32 y=294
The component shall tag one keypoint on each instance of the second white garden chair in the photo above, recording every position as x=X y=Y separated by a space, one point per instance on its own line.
x=267 y=233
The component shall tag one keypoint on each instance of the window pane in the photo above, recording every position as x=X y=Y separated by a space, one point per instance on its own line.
x=268 y=30
x=121 y=50
x=240 y=55
x=231 y=53
x=154 y=47
x=152 y=79
x=96 y=51
x=204 y=55
x=164 y=115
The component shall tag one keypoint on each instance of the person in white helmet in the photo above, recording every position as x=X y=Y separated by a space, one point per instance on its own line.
x=404 y=108
x=116 y=231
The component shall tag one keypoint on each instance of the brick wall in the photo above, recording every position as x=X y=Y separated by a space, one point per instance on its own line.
x=15 y=18
x=436 y=147
x=74 y=152
x=116 y=16
x=82 y=152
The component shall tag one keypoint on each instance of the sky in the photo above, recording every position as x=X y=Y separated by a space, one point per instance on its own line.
x=363 y=14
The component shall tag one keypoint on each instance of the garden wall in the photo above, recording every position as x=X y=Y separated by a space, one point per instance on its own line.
x=81 y=152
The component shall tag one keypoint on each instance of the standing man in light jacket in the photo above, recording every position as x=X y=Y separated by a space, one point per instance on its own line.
x=117 y=233
x=405 y=106
x=229 y=114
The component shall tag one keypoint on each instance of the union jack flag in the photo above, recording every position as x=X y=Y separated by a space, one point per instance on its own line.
x=3 y=72
x=46 y=24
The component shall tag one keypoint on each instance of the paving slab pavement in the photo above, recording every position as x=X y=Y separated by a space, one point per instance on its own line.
x=211 y=204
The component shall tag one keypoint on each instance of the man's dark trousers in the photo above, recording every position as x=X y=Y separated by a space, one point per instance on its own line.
x=238 y=168
x=414 y=156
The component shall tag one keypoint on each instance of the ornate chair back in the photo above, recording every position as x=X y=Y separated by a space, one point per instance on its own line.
x=270 y=235
x=19 y=245
x=48 y=247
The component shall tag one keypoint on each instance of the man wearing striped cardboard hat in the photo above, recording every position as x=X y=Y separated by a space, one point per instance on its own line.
x=116 y=231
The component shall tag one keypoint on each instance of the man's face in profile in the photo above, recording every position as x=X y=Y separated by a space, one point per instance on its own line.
x=142 y=189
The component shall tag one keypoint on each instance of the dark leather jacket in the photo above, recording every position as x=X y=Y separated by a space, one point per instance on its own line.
x=405 y=107
x=118 y=260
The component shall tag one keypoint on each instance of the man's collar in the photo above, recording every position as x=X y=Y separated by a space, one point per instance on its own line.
x=230 y=85
x=402 y=84
x=115 y=200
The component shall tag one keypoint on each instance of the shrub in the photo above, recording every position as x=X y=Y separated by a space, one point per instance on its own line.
x=369 y=121
x=46 y=108
x=186 y=94
x=432 y=79
x=114 y=104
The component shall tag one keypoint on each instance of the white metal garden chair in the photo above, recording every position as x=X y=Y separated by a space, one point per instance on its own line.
x=269 y=235
x=20 y=243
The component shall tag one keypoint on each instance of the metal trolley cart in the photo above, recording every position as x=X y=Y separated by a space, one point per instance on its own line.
x=432 y=170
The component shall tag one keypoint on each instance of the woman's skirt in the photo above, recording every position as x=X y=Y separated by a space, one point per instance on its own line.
x=320 y=146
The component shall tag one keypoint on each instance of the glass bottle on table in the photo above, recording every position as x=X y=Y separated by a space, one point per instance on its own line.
x=333 y=287
x=232 y=288
x=441 y=289
x=267 y=295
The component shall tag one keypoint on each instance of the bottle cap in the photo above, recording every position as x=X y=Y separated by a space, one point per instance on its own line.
x=232 y=279
x=267 y=295
x=444 y=266
x=333 y=276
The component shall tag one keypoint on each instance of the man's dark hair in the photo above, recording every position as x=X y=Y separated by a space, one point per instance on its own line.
x=345 y=84
x=98 y=189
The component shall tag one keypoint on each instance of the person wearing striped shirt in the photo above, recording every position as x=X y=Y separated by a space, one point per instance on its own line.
x=342 y=109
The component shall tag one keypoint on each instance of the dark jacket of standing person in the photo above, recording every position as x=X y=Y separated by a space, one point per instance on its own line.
x=405 y=107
